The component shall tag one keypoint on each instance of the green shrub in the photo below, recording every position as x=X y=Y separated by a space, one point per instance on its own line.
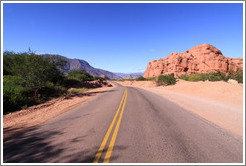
x=99 y=78
x=213 y=77
x=203 y=76
x=184 y=77
x=14 y=95
x=194 y=78
x=34 y=70
x=52 y=90
x=30 y=79
x=239 y=77
x=166 y=80
x=78 y=90
x=140 y=79
x=70 y=82
x=79 y=75
x=236 y=75
x=217 y=76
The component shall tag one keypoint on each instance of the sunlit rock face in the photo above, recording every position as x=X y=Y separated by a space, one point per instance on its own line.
x=199 y=59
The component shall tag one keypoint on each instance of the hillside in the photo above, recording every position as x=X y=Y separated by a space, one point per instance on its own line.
x=79 y=64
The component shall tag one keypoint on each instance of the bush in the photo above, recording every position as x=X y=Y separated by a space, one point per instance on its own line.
x=239 y=77
x=78 y=90
x=70 y=82
x=203 y=76
x=236 y=75
x=34 y=70
x=52 y=90
x=217 y=76
x=183 y=77
x=30 y=78
x=14 y=95
x=99 y=78
x=166 y=80
x=140 y=79
x=194 y=77
x=79 y=75
x=213 y=77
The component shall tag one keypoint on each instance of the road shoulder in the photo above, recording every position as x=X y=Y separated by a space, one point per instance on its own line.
x=226 y=115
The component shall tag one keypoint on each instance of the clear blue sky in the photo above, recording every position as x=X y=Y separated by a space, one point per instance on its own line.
x=122 y=37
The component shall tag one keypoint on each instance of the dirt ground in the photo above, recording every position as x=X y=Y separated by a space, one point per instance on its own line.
x=138 y=83
x=220 y=103
x=33 y=116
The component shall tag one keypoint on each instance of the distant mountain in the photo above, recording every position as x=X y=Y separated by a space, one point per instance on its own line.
x=79 y=64
x=129 y=75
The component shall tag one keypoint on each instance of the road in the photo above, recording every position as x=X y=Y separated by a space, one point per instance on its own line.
x=125 y=125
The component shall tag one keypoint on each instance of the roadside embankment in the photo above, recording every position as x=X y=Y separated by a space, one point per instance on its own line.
x=22 y=120
x=220 y=103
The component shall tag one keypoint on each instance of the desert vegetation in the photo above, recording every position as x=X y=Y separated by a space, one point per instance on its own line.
x=171 y=79
x=30 y=79
x=214 y=76
x=166 y=80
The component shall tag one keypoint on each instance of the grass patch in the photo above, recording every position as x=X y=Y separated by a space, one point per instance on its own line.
x=77 y=90
x=214 y=76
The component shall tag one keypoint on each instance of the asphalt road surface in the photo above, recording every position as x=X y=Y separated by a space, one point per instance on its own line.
x=125 y=125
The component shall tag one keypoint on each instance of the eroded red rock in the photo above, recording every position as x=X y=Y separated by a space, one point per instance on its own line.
x=199 y=59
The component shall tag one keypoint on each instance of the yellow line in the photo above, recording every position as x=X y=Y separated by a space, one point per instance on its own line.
x=100 y=150
x=111 y=145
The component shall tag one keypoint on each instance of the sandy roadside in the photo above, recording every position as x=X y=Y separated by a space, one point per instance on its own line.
x=26 y=119
x=220 y=103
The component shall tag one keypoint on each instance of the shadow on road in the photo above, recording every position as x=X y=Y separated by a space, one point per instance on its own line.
x=30 y=147
x=35 y=146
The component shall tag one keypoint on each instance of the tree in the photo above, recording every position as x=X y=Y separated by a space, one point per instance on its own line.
x=34 y=70
x=14 y=95
x=79 y=75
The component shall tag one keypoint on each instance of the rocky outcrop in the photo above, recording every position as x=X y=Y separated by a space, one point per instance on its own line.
x=199 y=59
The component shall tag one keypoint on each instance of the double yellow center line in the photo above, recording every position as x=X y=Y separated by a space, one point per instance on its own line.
x=111 y=144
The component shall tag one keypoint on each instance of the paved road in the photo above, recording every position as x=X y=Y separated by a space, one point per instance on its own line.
x=147 y=128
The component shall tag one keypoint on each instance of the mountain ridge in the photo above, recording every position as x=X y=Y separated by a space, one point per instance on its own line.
x=130 y=75
x=80 y=64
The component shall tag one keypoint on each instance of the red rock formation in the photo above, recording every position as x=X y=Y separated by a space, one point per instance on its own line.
x=199 y=59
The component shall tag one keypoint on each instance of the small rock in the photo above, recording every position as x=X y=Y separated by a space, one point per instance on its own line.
x=231 y=81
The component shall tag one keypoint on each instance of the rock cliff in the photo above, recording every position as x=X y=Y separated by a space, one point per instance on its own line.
x=199 y=59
